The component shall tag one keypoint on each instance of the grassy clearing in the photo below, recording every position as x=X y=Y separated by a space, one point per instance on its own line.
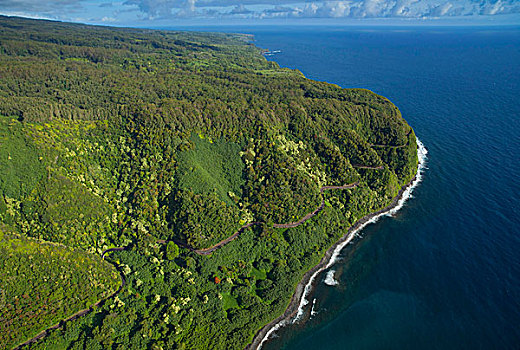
x=229 y=301
x=212 y=165
x=258 y=274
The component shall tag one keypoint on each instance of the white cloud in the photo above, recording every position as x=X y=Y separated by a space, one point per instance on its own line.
x=240 y=10
x=151 y=10
x=402 y=8
x=493 y=9
x=440 y=10
x=398 y=8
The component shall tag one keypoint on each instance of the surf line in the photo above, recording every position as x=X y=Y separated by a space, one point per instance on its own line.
x=329 y=279
x=404 y=194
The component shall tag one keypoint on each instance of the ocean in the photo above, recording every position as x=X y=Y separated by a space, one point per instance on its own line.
x=444 y=272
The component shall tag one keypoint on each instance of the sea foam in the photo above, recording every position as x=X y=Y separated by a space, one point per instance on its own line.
x=329 y=279
x=422 y=153
x=313 y=312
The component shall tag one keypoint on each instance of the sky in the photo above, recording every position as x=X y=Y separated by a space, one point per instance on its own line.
x=163 y=13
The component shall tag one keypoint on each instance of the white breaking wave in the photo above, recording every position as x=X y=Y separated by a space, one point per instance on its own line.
x=422 y=153
x=329 y=278
x=271 y=332
x=313 y=306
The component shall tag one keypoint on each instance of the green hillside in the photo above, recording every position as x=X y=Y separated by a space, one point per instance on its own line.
x=113 y=137
x=43 y=283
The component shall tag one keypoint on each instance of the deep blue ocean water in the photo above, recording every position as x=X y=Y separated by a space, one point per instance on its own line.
x=445 y=272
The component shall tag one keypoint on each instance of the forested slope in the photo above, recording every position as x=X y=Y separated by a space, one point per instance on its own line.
x=115 y=137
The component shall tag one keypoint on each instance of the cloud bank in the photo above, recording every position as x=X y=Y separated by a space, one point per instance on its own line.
x=151 y=10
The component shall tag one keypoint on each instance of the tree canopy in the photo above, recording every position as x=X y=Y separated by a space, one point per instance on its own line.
x=114 y=137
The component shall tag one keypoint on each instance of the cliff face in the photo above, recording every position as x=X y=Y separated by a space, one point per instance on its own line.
x=129 y=137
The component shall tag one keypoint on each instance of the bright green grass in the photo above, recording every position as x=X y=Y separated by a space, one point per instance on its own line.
x=43 y=283
x=212 y=165
x=20 y=166
x=259 y=274
x=229 y=301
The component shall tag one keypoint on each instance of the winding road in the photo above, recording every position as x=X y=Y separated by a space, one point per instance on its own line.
x=205 y=251
x=388 y=146
x=380 y=167
x=320 y=208
x=80 y=313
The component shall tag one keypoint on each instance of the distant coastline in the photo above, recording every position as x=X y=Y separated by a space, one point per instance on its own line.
x=294 y=310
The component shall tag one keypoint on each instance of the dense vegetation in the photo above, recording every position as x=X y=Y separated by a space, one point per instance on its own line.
x=126 y=137
x=43 y=283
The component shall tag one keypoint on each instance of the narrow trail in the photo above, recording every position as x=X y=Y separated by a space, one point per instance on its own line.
x=388 y=146
x=116 y=249
x=205 y=251
x=80 y=313
x=380 y=167
x=320 y=208
x=294 y=304
x=391 y=146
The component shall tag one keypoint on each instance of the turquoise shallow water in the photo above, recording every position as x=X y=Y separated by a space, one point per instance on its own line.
x=445 y=272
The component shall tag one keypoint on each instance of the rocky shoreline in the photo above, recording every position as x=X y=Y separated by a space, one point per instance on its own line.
x=292 y=309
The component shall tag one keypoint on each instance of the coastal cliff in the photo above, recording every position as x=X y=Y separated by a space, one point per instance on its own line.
x=167 y=144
